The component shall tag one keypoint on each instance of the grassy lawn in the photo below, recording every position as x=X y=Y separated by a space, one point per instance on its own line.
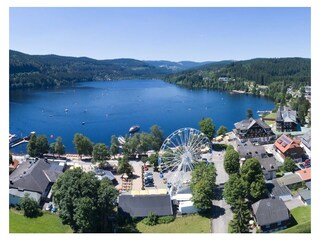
x=271 y=116
x=185 y=224
x=47 y=223
x=302 y=215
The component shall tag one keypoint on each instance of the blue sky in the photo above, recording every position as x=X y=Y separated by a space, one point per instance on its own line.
x=197 y=34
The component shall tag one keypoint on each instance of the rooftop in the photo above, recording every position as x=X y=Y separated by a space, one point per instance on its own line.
x=270 y=210
x=305 y=194
x=276 y=190
x=35 y=175
x=284 y=143
x=143 y=205
x=305 y=174
x=289 y=179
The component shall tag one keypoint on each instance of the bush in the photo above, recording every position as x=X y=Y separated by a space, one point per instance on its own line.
x=166 y=219
x=151 y=220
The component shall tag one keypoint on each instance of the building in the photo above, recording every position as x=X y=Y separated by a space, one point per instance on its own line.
x=290 y=180
x=254 y=131
x=305 y=174
x=305 y=196
x=286 y=120
x=34 y=177
x=268 y=162
x=288 y=147
x=142 y=205
x=306 y=143
x=183 y=199
x=271 y=214
x=277 y=191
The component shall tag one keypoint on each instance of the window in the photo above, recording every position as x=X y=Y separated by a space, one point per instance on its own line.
x=268 y=226
x=279 y=223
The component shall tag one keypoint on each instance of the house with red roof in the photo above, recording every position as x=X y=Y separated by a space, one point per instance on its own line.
x=288 y=147
x=305 y=174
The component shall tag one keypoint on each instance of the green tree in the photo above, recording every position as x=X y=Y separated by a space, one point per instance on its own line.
x=249 y=113
x=124 y=166
x=258 y=189
x=114 y=148
x=241 y=217
x=153 y=159
x=145 y=142
x=10 y=158
x=99 y=153
x=84 y=202
x=222 y=131
x=157 y=137
x=86 y=215
x=42 y=145
x=229 y=147
x=207 y=127
x=60 y=149
x=234 y=189
x=151 y=219
x=52 y=148
x=32 y=145
x=203 y=185
x=107 y=199
x=252 y=175
x=288 y=165
x=29 y=206
x=231 y=161
x=83 y=144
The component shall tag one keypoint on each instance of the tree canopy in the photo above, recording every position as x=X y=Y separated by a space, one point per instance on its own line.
x=99 y=153
x=252 y=175
x=84 y=201
x=241 y=217
x=114 y=148
x=29 y=206
x=222 y=130
x=203 y=185
x=231 y=161
x=59 y=148
x=288 y=165
x=82 y=144
x=207 y=127
x=234 y=189
x=157 y=137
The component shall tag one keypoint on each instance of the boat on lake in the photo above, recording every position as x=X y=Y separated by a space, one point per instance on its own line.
x=134 y=129
x=121 y=140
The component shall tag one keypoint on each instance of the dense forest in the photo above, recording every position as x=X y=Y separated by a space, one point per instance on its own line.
x=262 y=76
x=30 y=71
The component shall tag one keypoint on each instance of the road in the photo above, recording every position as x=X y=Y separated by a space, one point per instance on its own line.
x=221 y=212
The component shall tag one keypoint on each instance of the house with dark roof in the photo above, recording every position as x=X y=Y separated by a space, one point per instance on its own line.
x=254 y=131
x=288 y=147
x=306 y=143
x=286 y=120
x=142 y=205
x=305 y=196
x=268 y=162
x=277 y=191
x=271 y=214
x=35 y=177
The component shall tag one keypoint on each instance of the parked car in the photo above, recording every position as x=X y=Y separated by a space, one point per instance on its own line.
x=307 y=163
x=148 y=174
x=148 y=177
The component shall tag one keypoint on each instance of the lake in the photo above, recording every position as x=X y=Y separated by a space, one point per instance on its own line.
x=112 y=107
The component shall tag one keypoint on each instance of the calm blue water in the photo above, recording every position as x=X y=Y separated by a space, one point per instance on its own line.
x=112 y=107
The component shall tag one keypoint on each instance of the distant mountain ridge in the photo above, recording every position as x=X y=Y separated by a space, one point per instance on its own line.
x=29 y=71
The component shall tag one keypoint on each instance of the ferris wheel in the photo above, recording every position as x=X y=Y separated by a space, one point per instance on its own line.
x=178 y=154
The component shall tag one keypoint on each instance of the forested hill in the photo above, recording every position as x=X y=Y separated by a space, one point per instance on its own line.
x=249 y=75
x=29 y=71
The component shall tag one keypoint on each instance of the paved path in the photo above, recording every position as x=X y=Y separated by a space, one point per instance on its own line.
x=221 y=212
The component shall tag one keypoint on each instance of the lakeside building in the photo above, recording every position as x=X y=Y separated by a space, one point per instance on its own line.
x=254 y=131
x=286 y=120
x=34 y=177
